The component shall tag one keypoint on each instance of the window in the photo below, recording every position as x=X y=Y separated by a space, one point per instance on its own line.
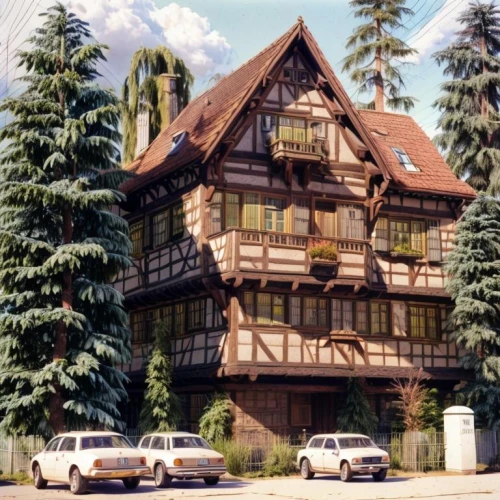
x=176 y=143
x=292 y=129
x=295 y=75
x=423 y=322
x=180 y=322
x=300 y=410
x=196 y=314
x=406 y=236
x=137 y=237
x=352 y=222
x=158 y=443
x=215 y=217
x=177 y=220
x=316 y=443
x=160 y=228
x=330 y=444
x=361 y=317
x=249 y=305
x=251 y=211
x=265 y=308
x=315 y=312
x=347 y=315
x=138 y=326
x=379 y=318
x=145 y=442
x=434 y=241
x=381 y=243
x=69 y=444
x=324 y=218
x=52 y=446
x=404 y=160
x=301 y=215
x=274 y=214
x=232 y=210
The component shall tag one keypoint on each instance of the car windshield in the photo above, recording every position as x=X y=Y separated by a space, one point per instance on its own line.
x=189 y=442
x=105 y=442
x=356 y=442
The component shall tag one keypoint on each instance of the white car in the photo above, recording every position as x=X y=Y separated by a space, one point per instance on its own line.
x=181 y=455
x=347 y=454
x=76 y=458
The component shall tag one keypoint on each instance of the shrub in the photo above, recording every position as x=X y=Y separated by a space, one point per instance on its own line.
x=281 y=460
x=236 y=455
x=325 y=250
x=405 y=248
x=396 y=452
x=216 y=423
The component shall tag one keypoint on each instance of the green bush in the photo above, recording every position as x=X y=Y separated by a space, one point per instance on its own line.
x=236 y=455
x=405 y=249
x=281 y=460
x=396 y=453
x=326 y=251
x=216 y=422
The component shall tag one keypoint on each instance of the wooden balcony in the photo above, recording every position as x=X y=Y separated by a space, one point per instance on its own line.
x=295 y=150
x=244 y=252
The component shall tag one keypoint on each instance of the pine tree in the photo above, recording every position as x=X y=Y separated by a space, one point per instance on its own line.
x=375 y=48
x=356 y=414
x=216 y=422
x=161 y=410
x=469 y=106
x=474 y=285
x=144 y=87
x=63 y=328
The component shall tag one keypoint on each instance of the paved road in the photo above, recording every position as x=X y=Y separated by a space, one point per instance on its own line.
x=483 y=487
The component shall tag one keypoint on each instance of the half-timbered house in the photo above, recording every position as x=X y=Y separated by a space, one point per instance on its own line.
x=290 y=241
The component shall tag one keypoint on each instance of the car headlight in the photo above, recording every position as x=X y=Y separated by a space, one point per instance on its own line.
x=386 y=459
x=177 y=462
x=97 y=463
x=356 y=461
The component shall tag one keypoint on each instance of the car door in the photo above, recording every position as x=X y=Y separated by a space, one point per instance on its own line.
x=64 y=457
x=157 y=450
x=47 y=460
x=315 y=454
x=331 y=456
x=144 y=447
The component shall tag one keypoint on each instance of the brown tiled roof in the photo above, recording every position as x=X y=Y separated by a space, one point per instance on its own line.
x=401 y=131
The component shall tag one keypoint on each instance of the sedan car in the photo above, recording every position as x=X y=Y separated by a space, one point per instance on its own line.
x=347 y=454
x=181 y=455
x=76 y=458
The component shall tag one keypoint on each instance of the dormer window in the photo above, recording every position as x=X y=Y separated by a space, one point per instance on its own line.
x=177 y=140
x=404 y=160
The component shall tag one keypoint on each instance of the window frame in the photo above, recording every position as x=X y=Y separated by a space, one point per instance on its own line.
x=274 y=212
x=254 y=318
x=425 y=316
x=354 y=312
x=137 y=226
x=387 y=314
x=404 y=160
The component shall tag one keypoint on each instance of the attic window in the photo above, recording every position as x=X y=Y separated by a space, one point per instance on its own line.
x=295 y=75
x=404 y=160
x=177 y=140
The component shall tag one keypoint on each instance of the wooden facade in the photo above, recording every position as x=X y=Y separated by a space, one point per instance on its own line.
x=223 y=223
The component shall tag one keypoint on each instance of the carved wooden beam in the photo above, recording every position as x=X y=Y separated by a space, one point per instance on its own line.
x=288 y=172
x=263 y=282
x=238 y=281
x=329 y=286
x=295 y=285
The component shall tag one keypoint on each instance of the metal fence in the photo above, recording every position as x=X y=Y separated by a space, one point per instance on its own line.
x=16 y=452
x=488 y=447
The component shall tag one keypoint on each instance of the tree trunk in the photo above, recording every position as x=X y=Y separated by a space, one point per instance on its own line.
x=57 y=418
x=379 y=81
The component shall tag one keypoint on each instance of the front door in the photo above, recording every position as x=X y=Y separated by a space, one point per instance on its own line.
x=331 y=456
x=315 y=454
x=144 y=447
x=48 y=459
x=64 y=458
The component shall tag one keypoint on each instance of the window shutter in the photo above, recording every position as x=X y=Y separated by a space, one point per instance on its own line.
x=434 y=241
x=324 y=219
x=382 y=235
x=301 y=215
x=351 y=221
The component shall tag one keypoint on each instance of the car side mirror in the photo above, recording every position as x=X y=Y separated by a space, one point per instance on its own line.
x=335 y=452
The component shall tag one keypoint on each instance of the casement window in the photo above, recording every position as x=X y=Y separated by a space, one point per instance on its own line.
x=404 y=160
x=347 y=315
x=138 y=326
x=301 y=215
x=324 y=219
x=196 y=314
x=434 y=241
x=274 y=214
x=406 y=235
x=379 y=318
x=137 y=237
x=251 y=211
x=232 y=210
x=180 y=318
x=292 y=129
x=308 y=311
x=301 y=410
x=223 y=207
x=161 y=228
x=264 y=308
x=381 y=243
x=177 y=220
x=423 y=322
x=351 y=221
x=215 y=214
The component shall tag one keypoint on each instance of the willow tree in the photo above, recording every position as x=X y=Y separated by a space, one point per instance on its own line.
x=469 y=106
x=63 y=328
x=375 y=50
x=144 y=87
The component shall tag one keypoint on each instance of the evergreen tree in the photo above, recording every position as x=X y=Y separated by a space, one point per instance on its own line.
x=469 y=106
x=431 y=412
x=356 y=414
x=161 y=410
x=375 y=48
x=144 y=87
x=474 y=285
x=216 y=423
x=63 y=328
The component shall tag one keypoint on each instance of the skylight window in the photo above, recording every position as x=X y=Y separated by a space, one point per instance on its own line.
x=404 y=160
x=177 y=140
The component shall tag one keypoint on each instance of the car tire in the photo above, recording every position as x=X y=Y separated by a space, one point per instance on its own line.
x=380 y=475
x=131 y=483
x=211 y=481
x=162 y=479
x=305 y=469
x=39 y=481
x=345 y=472
x=77 y=483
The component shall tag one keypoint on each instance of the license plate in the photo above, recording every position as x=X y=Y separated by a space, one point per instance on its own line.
x=123 y=461
x=203 y=461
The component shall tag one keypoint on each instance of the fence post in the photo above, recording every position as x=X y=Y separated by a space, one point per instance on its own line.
x=10 y=455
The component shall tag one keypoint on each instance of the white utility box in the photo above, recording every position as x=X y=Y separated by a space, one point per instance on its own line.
x=460 y=440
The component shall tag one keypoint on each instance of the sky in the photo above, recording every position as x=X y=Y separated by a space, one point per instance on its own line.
x=217 y=36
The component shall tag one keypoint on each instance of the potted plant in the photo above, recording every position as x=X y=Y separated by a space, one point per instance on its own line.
x=404 y=250
x=324 y=258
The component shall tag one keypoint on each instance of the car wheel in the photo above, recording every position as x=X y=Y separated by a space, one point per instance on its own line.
x=162 y=479
x=131 y=483
x=39 y=481
x=305 y=469
x=77 y=483
x=345 y=472
x=380 y=475
x=211 y=481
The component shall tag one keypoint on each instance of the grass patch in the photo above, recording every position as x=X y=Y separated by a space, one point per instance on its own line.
x=281 y=460
x=18 y=478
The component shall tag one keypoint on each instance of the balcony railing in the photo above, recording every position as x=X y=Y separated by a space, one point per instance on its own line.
x=307 y=151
